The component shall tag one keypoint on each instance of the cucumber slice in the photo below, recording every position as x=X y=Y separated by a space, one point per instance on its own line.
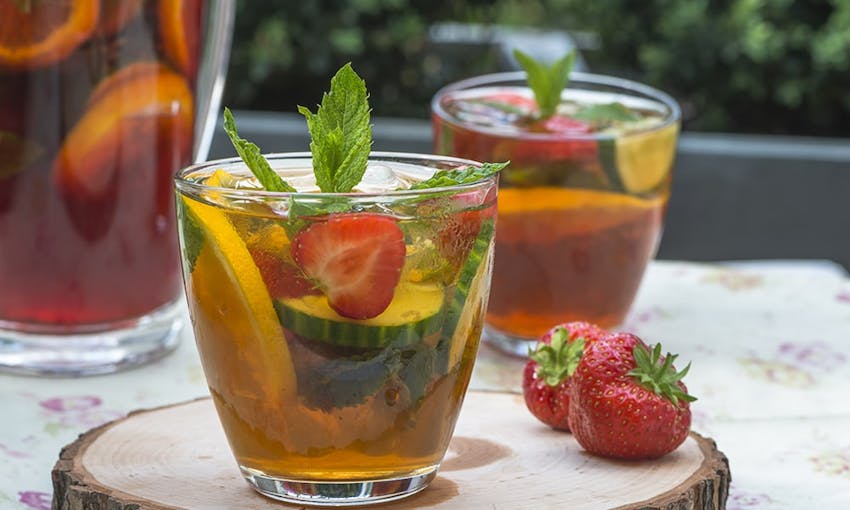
x=416 y=311
x=463 y=311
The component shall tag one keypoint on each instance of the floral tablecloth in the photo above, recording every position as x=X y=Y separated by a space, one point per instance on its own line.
x=770 y=346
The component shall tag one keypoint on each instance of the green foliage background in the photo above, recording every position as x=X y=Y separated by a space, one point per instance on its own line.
x=764 y=66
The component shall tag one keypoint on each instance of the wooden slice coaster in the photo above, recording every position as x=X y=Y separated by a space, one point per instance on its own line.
x=500 y=458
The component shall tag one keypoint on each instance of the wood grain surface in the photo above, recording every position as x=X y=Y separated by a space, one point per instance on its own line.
x=499 y=458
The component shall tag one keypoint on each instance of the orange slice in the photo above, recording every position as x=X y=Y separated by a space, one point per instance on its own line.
x=123 y=78
x=180 y=29
x=132 y=112
x=526 y=200
x=37 y=33
x=547 y=212
x=239 y=337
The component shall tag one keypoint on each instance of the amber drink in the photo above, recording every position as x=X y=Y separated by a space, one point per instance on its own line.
x=582 y=203
x=328 y=400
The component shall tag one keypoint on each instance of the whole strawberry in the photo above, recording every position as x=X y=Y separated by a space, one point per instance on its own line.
x=546 y=378
x=627 y=401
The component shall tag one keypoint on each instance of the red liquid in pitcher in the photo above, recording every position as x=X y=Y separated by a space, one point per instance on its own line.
x=97 y=110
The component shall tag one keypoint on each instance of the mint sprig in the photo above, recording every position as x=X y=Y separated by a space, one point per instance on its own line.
x=340 y=133
x=17 y=153
x=253 y=158
x=546 y=82
x=606 y=112
x=25 y=6
x=341 y=140
x=465 y=175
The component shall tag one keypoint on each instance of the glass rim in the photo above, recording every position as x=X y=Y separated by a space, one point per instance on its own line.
x=624 y=85
x=183 y=185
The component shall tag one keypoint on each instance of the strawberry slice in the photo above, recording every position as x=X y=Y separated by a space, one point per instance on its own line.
x=459 y=230
x=564 y=125
x=355 y=259
x=519 y=101
x=283 y=280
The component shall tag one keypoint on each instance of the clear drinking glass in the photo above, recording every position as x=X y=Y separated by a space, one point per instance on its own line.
x=580 y=210
x=102 y=102
x=319 y=407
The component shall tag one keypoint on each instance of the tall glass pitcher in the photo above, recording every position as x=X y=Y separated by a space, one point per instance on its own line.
x=101 y=102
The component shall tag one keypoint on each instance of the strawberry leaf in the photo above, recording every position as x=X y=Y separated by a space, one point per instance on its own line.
x=558 y=360
x=659 y=377
x=547 y=82
x=340 y=132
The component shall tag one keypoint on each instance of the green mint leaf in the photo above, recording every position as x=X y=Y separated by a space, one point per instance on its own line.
x=17 y=153
x=340 y=133
x=503 y=106
x=253 y=158
x=343 y=382
x=604 y=113
x=418 y=366
x=302 y=211
x=547 y=82
x=25 y=6
x=457 y=176
x=191 y=235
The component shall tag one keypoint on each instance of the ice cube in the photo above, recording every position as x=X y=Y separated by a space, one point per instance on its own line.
x=380 y=177
x=298 y=174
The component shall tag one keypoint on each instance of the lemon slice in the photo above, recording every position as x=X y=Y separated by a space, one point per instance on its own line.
x=221 y=179
x=241 y=340
x=644 y=159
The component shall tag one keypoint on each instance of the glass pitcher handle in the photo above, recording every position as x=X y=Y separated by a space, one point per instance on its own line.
x=215 y=56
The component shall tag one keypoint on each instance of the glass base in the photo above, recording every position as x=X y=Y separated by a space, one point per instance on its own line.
x=341 y=493
x=507 y=343
x=89 y=350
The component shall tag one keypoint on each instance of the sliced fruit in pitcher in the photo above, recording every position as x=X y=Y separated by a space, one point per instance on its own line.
x=36 y=33
x=131 y=111
x=123 y=79
x=179 y=26
x=414 y=313
x=115 y=14
x=355 y=259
